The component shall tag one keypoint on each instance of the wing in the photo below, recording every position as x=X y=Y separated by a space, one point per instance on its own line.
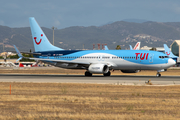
x=57 y=62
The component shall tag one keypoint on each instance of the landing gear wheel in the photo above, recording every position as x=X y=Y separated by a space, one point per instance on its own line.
x=158 y=75
x=107 y=74
x=88 y=73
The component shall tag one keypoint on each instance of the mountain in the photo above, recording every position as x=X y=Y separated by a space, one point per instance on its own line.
x=153 y=34
x=135 y=20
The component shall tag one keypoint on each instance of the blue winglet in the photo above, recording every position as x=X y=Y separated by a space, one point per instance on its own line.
x=106 y=48
x=19 y=54
x=130 y=47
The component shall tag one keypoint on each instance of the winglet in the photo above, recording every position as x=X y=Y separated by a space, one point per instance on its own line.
x=106 y=48
x=19 y=54
x=130 y=47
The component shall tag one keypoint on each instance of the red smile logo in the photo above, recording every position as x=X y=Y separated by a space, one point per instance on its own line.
x=36 y=40
x=168 y=53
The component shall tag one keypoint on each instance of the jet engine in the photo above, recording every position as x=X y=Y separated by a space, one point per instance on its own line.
x=130 y=71
x=98 y=68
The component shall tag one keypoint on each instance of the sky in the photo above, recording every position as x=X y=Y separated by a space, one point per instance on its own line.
x=67 y=13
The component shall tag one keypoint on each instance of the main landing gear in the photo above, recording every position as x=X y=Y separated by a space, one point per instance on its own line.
x=107 y=74
x=87 y=73
x=158 y=75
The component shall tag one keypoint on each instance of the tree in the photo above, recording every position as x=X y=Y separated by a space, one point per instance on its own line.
x=30 y=55
x=118 y=47
x=153 y=49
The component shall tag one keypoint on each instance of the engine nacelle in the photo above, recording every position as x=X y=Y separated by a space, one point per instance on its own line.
x=98 y=68
x=130 y=71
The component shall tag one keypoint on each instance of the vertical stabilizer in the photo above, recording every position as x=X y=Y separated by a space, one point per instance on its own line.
x=168 y=52
x=40 y=41
x=137 y=46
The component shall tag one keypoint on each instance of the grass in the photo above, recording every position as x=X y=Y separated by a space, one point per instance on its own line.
x=88 y=101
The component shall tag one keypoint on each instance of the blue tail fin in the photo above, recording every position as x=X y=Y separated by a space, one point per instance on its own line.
x=168 y=52
x=40 y=41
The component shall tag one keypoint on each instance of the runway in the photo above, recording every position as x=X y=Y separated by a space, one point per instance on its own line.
x=119 y=80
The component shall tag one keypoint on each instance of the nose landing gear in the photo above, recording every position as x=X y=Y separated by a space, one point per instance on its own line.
x=158 y=75
x=158 y=72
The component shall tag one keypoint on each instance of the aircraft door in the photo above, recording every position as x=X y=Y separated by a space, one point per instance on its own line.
x=99 y=58
x=151 y=56
x=102 y=57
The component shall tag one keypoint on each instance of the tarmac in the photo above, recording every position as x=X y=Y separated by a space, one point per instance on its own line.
x=97 y=79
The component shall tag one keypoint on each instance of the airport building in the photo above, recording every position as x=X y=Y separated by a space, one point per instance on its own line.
x=161 y=49
x=175 y=47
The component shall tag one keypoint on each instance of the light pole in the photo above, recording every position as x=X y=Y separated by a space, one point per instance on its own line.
x=3 y=45
x=53 y=33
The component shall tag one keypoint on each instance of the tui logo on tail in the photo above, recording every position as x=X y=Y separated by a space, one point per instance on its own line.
x=36 y=40
x=168 y=53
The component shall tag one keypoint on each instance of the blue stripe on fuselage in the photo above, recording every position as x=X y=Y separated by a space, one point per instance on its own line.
x=63 y=52
x=127 y=54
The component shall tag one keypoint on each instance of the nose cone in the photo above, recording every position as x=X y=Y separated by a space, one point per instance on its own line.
x=171 y=62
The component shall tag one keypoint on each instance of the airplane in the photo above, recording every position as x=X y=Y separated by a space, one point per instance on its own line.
x=96 y=61
x=136 y=47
